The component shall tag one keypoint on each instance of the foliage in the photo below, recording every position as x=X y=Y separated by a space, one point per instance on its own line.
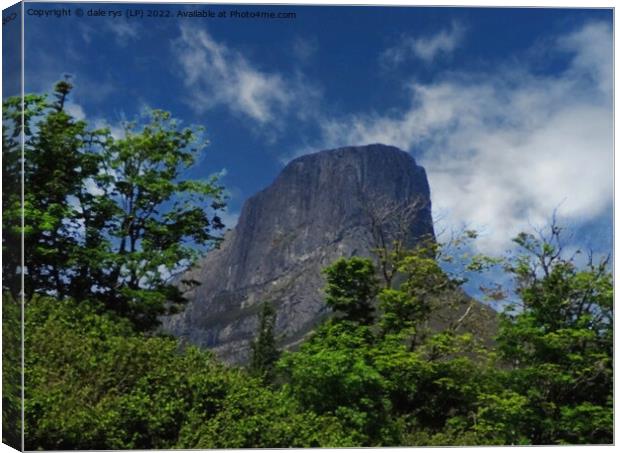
x=333 y=374
x=546 y=380
x=351 y=288
x=11 y=372
x=92 y=382
x=248 y=414
x=157 y=220
x=559 y=343
x=375 y=376
x=107 y=219
x=406 y=308
x=52 y=171
x=264 y=351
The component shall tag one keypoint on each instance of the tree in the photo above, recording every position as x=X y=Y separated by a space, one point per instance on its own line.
x=55 y=165
x=11 y=194
x=240 y=411
x=105 y=219
x=11 y=372
x=158 y=221
x=390 y=224
x=558 y=343
x=93 y=382
x=351 y=288
x=407 y=307
x=380 y=375
x=333 y=374
x=264 y=351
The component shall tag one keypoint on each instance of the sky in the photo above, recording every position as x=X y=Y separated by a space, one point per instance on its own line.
x=509 y=110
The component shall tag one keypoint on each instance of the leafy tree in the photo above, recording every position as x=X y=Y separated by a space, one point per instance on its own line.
x=54 y=166
x=106 y=219
x=93 y=382
x=407 y=307
x=558 y=343
x=249 y=414
x=501 y=417
x=351 y=288
x=11 y=372
x=11 y=196
x=264 y=351
x=369 y=373
x=158 y=221
x=333 y=374
x=446 y=388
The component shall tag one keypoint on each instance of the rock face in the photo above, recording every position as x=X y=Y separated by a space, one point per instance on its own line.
x=322 y=206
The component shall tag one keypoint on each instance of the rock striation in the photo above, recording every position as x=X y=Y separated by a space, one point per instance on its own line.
x=322 y=206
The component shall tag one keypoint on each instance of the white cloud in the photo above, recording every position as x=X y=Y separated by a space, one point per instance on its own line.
x=75 y=110
x=123 y=31
x=425 y=48
x=116 y=130
x=503 y=150
x=229 y=218
x=592 y=62
x=120 y=29
x=219 y=75
x=304 y=49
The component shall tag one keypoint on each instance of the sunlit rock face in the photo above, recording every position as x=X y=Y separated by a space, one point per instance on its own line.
x=322 y=206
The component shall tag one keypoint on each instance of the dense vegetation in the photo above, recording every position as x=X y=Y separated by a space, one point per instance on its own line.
x=107 y=219
x=110 y=222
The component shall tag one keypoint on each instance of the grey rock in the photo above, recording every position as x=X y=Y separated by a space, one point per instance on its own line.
x=321 y=207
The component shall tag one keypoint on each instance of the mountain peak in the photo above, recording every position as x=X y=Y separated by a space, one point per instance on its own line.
x=321 y=207
x=382 y=156
x=362 y=151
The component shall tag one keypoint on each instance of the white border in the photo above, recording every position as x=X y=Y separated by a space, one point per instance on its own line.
x=479 y=3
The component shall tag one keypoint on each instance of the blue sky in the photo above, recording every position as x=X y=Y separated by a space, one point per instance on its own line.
x=509 y=110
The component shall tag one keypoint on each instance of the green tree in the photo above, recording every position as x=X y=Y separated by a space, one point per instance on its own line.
x=55 y=165
x=11 y=193
x=407 y=307
x=105 y=219
x=558 y=343
x=403 y=377
x=93 y=382
x=351 y=289
x=240 y=411
x=333 y=374
x=380 y=376
x=11 y=372
x=264 y=351
x=159 y=221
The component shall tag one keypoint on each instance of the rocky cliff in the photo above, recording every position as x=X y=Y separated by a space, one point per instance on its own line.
x=322 y=206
